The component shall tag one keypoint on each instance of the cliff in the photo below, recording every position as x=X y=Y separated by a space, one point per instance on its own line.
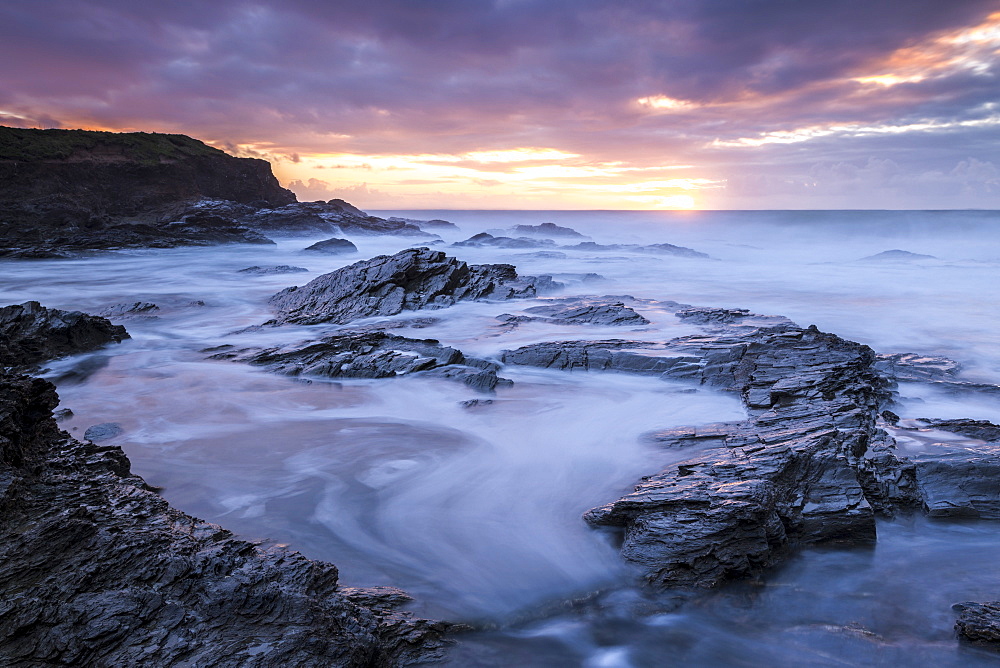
x=67 y=179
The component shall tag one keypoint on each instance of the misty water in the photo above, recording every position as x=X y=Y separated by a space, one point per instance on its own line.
x=476 y=511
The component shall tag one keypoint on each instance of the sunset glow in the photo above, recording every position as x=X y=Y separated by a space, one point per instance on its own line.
x=537 y=105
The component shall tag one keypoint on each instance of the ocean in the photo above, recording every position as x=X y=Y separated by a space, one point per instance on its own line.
x=476 y=512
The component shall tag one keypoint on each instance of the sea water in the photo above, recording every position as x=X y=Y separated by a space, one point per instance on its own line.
x=476 y=511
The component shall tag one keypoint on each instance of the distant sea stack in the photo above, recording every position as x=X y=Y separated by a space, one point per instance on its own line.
x=88 y=179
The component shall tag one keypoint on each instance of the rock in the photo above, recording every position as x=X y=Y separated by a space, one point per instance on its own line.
x=103 y=431
x=727 y=318
x=132 y=311
x=612 y=315
x=547 y=230
x=796 y=472
x=434 y=224
x=658 y=249
x=80 y=189
x=332 y=246
x=31 y=334
x=371 y=355
x=978 y=622
x=939 y=372
x=896 y=256
x=485 y=240
x=915 y=367
x=416 y=278
x=982 y=430
x=959 y=479
x=96 y=569
x=275 y=269
x=542 y=255
x=63 y=414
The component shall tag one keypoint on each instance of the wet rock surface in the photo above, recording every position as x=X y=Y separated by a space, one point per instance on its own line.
x=979 y=622
x=412 y=279
x=130 y=311
x=31 y=334
x=96 y=569
x=332 y=246
x=486 y=240
x=656 y=249
x=371 y=355
x=579 y=312
x=795 y=472
x=276 y=269
x=959 y=478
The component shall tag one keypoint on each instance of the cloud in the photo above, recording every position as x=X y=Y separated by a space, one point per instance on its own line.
x=292 y=80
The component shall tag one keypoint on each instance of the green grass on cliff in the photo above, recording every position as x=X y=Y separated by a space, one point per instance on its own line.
x=26 y=145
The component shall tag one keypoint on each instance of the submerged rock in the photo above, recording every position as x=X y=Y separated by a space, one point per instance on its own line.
x=31 y=334
x=979 y=622
x=96 y=569
x=486 y=240
x=275 y=269
x=332 y=246
x=433 y=224
x=416 y=278
x=547 y=230
x=132 y=311
x=657 y=249
x=372 y=355
x=103 y=432
x=896 y=256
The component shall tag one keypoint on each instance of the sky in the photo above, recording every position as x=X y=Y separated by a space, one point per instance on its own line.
x=541 y=104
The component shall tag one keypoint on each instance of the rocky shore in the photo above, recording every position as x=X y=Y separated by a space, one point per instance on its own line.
x=97 y=569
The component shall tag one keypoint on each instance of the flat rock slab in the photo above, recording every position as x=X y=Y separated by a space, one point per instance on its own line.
x=961 y=479
x=275 y=269
x=416 y=278
x=372 y=355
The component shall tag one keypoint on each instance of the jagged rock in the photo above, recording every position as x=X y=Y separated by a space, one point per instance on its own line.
x=796 y=472
x=103 y=431
x=132 y=311
x=96 y=569
x=415 y=278
x=658 y=249
x=896 y=256
x=486 y=240
x=276 y=269
x=332 y=246
x=31 y=334
x=371 y=355
x=979 y=622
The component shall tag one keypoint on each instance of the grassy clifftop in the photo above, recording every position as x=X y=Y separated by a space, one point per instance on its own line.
x=25 y=145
